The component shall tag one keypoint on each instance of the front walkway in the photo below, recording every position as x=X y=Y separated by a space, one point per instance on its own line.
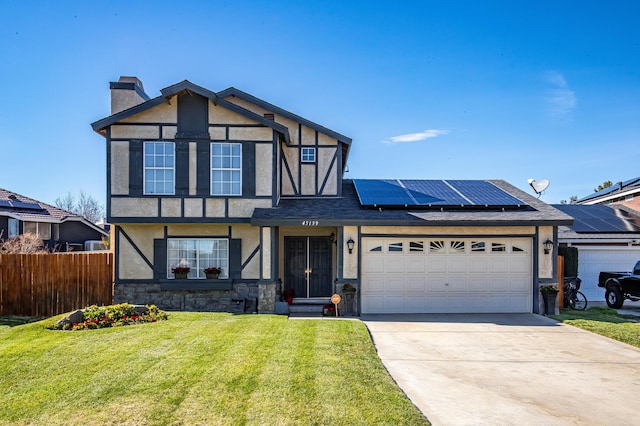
x=508 y=369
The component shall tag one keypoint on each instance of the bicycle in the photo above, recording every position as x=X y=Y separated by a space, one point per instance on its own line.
x=573 y=298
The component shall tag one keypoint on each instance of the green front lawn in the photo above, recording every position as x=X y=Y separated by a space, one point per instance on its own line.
x=604 y=321
x=199 y=368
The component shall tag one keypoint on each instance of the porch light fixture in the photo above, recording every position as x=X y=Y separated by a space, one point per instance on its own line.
x=350 y=244
x=548 y=245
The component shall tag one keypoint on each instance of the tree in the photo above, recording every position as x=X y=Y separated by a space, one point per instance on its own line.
x=572 y=200
x=85 y=206
x=604 y=185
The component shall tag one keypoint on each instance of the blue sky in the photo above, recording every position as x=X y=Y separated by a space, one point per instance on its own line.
x=426 y=89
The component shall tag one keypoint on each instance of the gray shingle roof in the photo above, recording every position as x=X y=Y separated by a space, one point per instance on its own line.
x=346 y=210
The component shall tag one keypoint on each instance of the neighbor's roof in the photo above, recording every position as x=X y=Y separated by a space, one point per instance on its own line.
x=27 y=209
x=613 y=191
x=599 y=219
x=347 y=210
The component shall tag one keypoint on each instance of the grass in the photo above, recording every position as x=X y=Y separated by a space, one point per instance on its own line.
x=199 y=368
x=606 y=322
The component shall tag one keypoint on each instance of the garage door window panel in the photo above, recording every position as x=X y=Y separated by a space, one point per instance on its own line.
x=416 y=246
x=437 y=247
x=457 y=247
x=478 y=247
x=498 y=247
x=395 y=247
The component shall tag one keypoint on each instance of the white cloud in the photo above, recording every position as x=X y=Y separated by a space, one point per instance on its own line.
x=415 y=137
x=561 y=100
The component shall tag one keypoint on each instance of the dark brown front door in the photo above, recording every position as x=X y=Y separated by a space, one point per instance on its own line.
x=308 y=266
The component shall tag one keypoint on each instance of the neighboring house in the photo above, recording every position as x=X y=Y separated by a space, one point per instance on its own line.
x=622 y=193
x=203 y=178
x=607 y=239
x=59 y=229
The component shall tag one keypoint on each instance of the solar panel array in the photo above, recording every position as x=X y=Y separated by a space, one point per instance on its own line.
x=432 y=193
x=599 y=218
x=15 y=204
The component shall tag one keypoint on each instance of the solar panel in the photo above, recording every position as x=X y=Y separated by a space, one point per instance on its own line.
x=26 y=206
x=484 y=193
x=382 y=192
x=438 y=189
x=5 y=203
x=432 y=193
x=600 y=219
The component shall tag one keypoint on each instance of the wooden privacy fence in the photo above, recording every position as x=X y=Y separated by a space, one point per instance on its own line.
x=52 y=284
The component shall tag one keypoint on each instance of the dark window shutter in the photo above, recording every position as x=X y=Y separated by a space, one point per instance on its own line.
x=159 y=259
x=182 y=168
x=248 y=169
x=136 y=168
x=203 y=169
x=235 y=258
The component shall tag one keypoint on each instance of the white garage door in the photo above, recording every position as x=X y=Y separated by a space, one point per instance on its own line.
x=592 y=260
x=452 y=275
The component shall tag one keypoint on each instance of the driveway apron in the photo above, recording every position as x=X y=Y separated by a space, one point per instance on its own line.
x=494 y=369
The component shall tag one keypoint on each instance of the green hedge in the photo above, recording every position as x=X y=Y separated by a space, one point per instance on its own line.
x=570 y=255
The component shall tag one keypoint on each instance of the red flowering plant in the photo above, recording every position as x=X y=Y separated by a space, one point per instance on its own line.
x=181 y=270
x=213 y=270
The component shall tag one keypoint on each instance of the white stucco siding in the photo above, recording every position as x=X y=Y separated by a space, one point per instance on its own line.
x=350 y=260
x=264 y=169
x=325 y=156
x=119 y=168
x=163 y=113
x=131 y=264
x=134 y=207
x=265 y=250
x=244 y=207
x=135 y=132
x=250 y=236
x=308 y=179
x=251 y=133
x=221 y=115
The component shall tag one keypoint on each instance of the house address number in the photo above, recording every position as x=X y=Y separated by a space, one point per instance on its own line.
x=310 y=223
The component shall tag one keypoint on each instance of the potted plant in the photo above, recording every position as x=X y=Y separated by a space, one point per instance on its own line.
x=181 y=272
x=288 y=295
x=549 y=293
x=212 y=272
x=348 y=288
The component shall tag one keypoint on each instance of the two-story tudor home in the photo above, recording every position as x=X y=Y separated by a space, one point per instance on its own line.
x=223 y=179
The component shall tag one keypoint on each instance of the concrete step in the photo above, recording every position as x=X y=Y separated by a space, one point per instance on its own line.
x=311 y=300
x=305 y=308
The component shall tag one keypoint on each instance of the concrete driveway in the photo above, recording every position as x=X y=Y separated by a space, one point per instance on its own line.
x=508 y=369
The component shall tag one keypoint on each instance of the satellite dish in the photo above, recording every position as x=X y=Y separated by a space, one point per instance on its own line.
x=538 y=185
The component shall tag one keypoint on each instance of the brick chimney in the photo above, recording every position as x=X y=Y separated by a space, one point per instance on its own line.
x=127 y=92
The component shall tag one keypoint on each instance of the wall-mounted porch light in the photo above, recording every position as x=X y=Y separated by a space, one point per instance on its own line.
x=548 y=245
x=350 y=244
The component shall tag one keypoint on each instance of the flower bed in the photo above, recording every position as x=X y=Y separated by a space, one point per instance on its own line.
x=94 y=317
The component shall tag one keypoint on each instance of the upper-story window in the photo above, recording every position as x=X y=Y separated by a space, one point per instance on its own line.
x=159 y=168
x=308 y=155
x=226 y=169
